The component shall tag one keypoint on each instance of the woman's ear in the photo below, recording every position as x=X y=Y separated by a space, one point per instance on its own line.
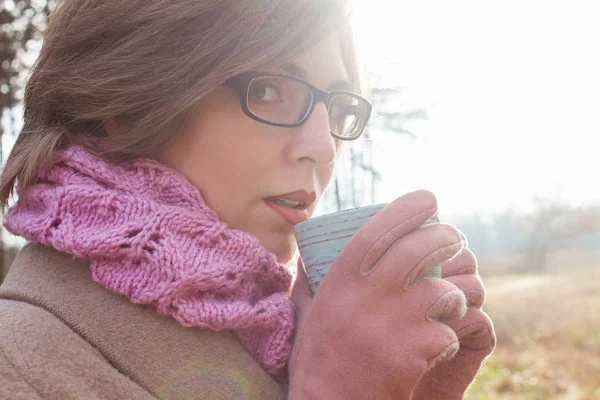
x=112 y=127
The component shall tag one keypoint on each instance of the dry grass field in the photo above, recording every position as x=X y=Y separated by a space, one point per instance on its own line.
x=548 y=328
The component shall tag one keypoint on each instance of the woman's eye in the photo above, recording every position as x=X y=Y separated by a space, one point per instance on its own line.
x=341 y=111
x=265 y=92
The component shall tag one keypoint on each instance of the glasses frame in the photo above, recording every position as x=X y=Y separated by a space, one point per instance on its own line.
x=241 y=83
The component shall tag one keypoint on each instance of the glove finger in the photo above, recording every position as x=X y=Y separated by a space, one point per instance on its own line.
x=473 y=288
x=463 y=263
x=475 y=331
x=449 y=380
x=423 y=307
x=414 y=253
x=402 y=216
x=434 y=299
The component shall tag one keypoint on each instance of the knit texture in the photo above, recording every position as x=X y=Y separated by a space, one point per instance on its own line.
x=148 y=235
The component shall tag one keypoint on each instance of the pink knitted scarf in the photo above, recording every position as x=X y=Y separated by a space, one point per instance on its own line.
x=149 y=236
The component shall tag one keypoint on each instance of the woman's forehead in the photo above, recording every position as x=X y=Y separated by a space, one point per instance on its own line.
x=321 y=64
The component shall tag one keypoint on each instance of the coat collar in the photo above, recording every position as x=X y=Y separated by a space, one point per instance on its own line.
x=153 y=350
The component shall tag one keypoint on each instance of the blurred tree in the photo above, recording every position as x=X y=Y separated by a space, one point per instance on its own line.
x=480 y=233
x=508 y=236
x=554 y=225
x=22 y=23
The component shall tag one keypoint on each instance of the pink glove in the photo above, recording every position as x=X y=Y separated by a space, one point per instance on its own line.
x=449 y=380
x=372 y=330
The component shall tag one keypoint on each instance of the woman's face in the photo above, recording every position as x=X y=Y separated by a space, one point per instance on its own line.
x=238 y=163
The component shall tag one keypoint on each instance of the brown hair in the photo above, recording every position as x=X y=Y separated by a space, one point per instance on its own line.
x=146 y=63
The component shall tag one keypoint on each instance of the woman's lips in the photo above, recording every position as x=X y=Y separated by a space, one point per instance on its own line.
x=307 y=199
x=290 y=215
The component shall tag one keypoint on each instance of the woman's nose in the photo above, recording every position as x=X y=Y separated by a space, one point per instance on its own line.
x=313 y=141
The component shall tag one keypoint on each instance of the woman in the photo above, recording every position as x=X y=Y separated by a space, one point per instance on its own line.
x=168 y=149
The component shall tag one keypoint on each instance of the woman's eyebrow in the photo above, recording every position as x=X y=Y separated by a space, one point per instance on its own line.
x=339 y=85
x=297 y=71
x=294 y=70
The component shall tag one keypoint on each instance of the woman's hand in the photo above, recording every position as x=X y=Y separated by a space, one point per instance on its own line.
x=373 y=329
x=475 y=332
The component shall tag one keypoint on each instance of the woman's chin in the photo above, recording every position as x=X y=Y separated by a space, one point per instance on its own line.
x=286 y=254
x=283 y=247
x=285 y=257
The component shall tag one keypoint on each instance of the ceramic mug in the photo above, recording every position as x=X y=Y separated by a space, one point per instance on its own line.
x=321 y=239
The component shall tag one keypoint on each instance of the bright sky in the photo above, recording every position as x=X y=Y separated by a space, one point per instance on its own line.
x=515 y=89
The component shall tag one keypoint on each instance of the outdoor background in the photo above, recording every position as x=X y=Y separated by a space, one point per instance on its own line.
x=495 y=107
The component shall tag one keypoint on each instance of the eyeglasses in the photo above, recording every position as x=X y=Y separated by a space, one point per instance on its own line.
x=285 y=101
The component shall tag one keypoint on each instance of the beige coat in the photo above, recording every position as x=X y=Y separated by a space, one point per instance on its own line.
x=62 y=336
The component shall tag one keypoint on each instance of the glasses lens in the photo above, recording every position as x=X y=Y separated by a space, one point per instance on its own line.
x=347 y=115
x=278 y=99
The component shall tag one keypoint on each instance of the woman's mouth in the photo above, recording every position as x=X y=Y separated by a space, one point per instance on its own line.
x=291 y=213
x=293 y=206
x=289 y=203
